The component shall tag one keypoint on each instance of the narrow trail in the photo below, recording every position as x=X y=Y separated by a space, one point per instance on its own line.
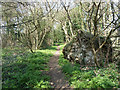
x=57 y=77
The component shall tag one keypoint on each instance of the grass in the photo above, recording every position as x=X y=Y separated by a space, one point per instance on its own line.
x=24 y=69
x=89 y=77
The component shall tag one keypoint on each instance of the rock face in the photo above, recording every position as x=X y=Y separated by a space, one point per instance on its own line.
x=79 y=49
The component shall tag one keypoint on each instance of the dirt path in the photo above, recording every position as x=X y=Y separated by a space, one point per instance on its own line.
x=57 y=77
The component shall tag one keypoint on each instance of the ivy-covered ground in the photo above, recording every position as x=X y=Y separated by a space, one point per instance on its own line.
x=89 y=77
x=22 y=69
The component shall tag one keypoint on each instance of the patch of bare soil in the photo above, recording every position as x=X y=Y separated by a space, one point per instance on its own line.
x=57 y=77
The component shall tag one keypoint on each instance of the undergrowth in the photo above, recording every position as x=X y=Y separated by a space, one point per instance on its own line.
x=89 y=77
x=25 y=69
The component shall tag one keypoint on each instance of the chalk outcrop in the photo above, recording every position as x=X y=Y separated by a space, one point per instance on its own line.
x=80 y=50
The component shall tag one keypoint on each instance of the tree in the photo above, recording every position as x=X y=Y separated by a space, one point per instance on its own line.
x=95 y=13
x=31 y=22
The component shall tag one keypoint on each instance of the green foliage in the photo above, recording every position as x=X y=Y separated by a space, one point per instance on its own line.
x=63 y=61
x=91 y=78
x=67 y=68
x=102 y=82
x=42 y=84
x=58 y=44
x=58 y=34
x=26 y=70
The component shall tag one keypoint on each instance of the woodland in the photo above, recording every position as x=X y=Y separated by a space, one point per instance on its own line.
x=60 y=44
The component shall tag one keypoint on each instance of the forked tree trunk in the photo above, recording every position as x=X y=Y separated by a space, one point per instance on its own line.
x=95 y=59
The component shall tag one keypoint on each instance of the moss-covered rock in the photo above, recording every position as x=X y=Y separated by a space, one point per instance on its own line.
x=79 y=49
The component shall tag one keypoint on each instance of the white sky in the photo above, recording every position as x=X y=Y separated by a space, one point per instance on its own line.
x=56 y=0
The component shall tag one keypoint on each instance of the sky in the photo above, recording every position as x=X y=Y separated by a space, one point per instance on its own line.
x=55 y=0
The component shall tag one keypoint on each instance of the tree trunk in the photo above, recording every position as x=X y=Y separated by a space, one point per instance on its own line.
x=39 y=45
x=95 y=60
x=95 y=55
x=71 y=28
x=65 y=31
